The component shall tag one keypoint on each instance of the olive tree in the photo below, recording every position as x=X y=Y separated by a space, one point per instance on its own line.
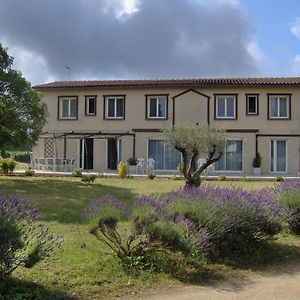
x=194 y=142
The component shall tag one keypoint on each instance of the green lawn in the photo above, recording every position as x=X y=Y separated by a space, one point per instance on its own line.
x=85 y=268
x=21 y=166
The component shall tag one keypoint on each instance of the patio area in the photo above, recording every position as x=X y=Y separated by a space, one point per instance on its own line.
x=54 y=164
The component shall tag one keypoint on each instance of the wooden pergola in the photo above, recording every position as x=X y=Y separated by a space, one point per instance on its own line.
x=78 y=134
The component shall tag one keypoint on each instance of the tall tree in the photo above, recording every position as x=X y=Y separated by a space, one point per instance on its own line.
x=194 y=142
x=22 y=114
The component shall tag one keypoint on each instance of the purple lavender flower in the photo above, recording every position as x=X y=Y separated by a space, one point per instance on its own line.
x=99 y=204
x=23 y=238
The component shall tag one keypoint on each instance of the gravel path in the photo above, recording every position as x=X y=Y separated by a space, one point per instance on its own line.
x=282 y=283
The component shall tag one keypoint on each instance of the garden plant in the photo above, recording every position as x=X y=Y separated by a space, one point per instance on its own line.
x=200 y=222
x=24 y=240
x=194 y=142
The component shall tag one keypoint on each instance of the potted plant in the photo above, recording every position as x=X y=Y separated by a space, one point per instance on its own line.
x=257 y=164
x=132 y=165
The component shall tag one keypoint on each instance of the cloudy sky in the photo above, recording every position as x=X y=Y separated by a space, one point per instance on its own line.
x=117 y=39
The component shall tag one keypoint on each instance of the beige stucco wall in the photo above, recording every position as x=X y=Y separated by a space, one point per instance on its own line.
x=191 y=107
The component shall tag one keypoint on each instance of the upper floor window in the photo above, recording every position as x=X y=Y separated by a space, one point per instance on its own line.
x=252 y=104
x=279 y=106
x=156 y=106
x=225 y=107
x=114 y=107
x=90 y=105
x=68 y=107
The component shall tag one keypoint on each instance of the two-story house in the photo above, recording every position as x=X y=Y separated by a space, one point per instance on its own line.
x=99 y=123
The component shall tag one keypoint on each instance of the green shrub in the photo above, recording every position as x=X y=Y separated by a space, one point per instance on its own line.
x=4 y=166
x=4 y=154
x=88 y=178
x=279 y=179
x=76 y=172
x=216 y=223
x=151 y=176
x=11 y=164
x=289 y=197
x=23 y=239
x=257 y=161
x=222 y=178
x=23 y=157
x=122 y=169
x=7 y=165
x=29 y=172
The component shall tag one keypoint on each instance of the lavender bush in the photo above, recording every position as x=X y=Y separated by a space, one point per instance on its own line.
x=106 y=212
x=227 y=220
x=216 y=222
x=23 y=239
x=289 y=197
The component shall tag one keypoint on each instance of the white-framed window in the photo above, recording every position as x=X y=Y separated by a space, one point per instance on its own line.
x=68 y=107
x=232 y=159
x=278 y=156
x=165 y=158
x=156 y=106
x=252 y=104
x=115 y=107
x=225 y=107
x=279 y=107
x=90 y=105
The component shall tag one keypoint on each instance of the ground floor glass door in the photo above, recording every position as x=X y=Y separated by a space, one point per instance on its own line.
x=112 y=154
x=278 y=156
x=165 y=158
x=86 y=154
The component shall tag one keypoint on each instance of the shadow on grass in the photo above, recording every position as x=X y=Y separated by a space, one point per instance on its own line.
x=271 y=259
x=277 y=258
x=198 y=273
x=12 y=288
x=62 y=200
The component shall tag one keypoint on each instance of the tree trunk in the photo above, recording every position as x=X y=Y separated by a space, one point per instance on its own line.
x=192 y=182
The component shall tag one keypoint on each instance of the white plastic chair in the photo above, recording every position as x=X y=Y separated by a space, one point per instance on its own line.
x=58 y=164
x=150 y=165
x=200 y=162
x=36 y=164
x=72 y=164
x=42 y=164
x=49 y=164
x=140 y=166
x=68 y=164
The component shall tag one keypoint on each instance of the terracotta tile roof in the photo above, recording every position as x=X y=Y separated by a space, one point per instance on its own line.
x=187 y=83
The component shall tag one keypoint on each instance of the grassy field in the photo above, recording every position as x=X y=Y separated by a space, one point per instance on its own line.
x=85 y=268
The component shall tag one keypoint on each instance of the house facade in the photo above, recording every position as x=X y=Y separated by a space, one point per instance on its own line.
x=98 y=123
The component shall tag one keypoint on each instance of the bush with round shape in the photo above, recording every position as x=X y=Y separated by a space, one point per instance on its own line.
x=122 y=169
x=289 y=197
x=24 y=240
x=207 y=221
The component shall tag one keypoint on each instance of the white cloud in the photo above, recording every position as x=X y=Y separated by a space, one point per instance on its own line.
x=230 y=2
x=129 y=38
x=32 y=65
x=255 y=51
x=296 y=63
x=120 y=8
x=295 y=28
